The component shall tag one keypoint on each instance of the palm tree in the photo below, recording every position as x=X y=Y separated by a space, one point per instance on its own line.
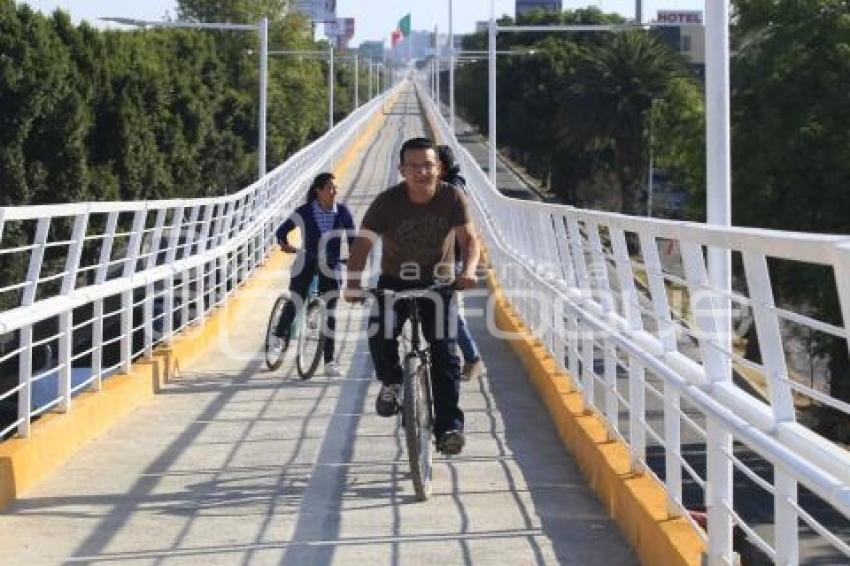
x=608 y=104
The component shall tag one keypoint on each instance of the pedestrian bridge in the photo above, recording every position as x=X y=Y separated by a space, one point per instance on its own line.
x=144 y=427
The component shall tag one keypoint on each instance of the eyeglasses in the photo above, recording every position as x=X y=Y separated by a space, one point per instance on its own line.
x=426 y=167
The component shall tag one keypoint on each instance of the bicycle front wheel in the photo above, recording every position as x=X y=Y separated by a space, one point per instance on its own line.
x=418 y=423
x=274 y=357
x=311 y=338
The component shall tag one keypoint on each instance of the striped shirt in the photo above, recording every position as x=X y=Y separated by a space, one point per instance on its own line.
x=324 y=218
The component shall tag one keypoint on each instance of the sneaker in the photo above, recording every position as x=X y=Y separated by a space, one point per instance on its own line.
x=388 y=402
x=451 y=443
x=332 y=369
x=473 y=370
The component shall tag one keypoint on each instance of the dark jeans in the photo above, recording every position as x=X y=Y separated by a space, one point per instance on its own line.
x=445 y=364
x=299 y=285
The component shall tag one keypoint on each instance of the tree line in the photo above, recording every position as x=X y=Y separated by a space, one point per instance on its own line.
x=580 y=111
x=89 y=114
x=95 y=115
x=575 y=108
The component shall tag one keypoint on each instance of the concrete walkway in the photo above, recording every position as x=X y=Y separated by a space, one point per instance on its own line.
x=232 y=464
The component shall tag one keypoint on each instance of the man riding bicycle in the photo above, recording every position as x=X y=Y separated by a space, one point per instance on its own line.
x=418 y=221
x=322 y=221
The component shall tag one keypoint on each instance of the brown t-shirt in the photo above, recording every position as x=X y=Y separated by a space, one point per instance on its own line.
x=418 y=238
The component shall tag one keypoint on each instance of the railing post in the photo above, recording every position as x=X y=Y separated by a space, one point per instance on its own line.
x=26 y=333
x=100 y=277
x=200 y=281
x=25 y=381
x=718 y=492
x=566 y=356
x=66 y=326
x=579 y=259
x=666 y=334
x=215 y=263
x=770 y=343
x=36 y=259
x=192 y=233
x=598 y=278
x=631 y=311
x=588 y=371
x=130 y=259
x=174 y=233
x=154 y=248
x=708 y=317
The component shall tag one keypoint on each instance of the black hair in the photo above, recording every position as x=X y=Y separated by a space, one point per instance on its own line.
x=414 y=143
x=451 y=169
x=320 y=181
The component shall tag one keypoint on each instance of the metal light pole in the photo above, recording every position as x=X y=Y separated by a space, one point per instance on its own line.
x=330 y=87
x=264 y=93
x=357 y=80
x=262 y=28
x=437 y=65
x=719 y=213
x=491 y=164
x=451 y=71
x=370 y=79
x=649 y=181
x=649 y=177
x=638 y=11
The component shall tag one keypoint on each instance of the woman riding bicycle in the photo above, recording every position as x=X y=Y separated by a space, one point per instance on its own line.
x=323 y=222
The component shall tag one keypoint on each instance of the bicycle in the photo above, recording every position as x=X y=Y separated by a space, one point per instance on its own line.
x=307 y=329
x=417 y=405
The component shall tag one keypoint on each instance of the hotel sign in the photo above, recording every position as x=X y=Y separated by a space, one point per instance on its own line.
x=693 y=17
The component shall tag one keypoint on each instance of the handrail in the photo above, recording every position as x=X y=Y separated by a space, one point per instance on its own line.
x=174 y=260
x=571 y=274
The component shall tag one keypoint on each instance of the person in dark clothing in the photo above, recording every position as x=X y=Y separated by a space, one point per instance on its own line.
x=417 y=222
x=323 y=222
x=473 y=365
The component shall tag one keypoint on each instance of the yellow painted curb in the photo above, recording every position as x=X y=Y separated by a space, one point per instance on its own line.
x=636 y=501
x=56 y=437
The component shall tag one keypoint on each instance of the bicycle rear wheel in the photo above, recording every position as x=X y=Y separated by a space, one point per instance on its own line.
x=418 y=423
x=311 y=339
x=274 y=359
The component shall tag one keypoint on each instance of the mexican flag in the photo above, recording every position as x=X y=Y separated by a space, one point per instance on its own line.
x=401 y=31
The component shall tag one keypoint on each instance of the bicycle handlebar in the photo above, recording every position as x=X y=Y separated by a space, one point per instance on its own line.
x=438 y=288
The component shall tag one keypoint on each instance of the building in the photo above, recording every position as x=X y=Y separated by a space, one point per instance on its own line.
x=372 y=50
x=340 y=32
x=684 y=31
x=522 y=7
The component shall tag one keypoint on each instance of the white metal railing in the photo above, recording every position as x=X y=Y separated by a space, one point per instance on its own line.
x=598 y=289
x=105 y=282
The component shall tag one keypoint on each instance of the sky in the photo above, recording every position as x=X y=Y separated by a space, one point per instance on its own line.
x=375 y=19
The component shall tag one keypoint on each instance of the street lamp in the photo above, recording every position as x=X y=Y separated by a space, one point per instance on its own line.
x=261 y=27
x=451 y=71
x=649 y=182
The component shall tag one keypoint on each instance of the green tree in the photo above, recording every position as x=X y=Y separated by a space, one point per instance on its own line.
x=791 y=150
x=242 y=11
x=609 y=100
